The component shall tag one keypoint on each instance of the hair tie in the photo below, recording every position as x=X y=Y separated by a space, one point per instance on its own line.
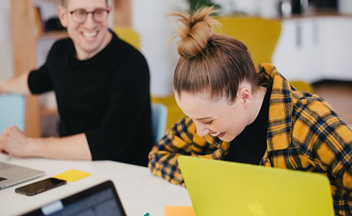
x=210 y=42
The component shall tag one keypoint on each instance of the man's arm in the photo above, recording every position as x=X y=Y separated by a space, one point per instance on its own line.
x=15 y=143
x=16 y=84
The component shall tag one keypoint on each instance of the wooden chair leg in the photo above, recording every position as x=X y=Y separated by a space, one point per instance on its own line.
x=33 y=117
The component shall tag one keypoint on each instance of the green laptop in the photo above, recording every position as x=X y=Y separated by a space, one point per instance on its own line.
x=226 y=188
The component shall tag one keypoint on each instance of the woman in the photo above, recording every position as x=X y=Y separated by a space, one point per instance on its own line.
x=237 y=112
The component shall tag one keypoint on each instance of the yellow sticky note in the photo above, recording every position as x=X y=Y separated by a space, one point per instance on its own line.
x=179 y=211
x=72 y=175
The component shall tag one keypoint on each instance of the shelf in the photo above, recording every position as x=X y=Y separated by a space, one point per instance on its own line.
x=53 y=34
x=49 y=111
x=318 y=14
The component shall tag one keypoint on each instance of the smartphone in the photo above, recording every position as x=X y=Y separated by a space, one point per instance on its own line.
x=40 y=186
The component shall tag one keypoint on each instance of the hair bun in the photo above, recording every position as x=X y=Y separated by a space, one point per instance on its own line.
x=195 y=31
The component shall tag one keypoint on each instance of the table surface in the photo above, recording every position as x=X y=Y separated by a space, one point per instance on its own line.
x=140 y=192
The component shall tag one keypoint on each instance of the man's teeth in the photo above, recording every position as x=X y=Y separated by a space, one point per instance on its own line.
x=92 y=34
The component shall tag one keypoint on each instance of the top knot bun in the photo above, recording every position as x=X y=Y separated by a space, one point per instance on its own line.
x=195 y=31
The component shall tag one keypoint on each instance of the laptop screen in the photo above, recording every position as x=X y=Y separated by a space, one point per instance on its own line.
x=99 y=200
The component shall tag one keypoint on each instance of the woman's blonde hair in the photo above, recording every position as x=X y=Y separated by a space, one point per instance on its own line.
x=210 y=63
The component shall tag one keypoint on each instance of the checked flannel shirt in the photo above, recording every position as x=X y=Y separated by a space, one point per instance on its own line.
x=304 y=133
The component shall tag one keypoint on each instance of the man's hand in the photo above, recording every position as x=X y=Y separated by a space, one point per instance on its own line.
x=14 y=142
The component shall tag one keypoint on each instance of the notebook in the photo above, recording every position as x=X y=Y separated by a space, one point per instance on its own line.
x=99 y=200
x=226 y=188
x=179 y=211
x=13 y=174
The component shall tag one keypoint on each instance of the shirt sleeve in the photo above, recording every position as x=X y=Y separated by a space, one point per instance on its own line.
x=129 y=99
x=39 y=81
x=163 y=156
x=182 y=139
x=330 y=147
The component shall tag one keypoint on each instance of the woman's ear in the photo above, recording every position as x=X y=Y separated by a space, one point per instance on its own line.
x=245 y=96
x=61 y=11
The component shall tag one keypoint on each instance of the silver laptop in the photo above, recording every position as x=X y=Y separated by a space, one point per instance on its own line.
x=13 y=174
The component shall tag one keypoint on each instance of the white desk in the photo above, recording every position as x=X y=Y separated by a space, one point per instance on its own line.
x=138 y=189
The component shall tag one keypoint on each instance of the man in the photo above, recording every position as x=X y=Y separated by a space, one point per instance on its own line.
x=101 y=85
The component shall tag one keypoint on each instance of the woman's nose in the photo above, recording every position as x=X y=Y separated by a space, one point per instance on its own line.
x=201 y=129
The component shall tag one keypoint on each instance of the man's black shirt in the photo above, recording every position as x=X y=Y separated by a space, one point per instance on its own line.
x=106 y=97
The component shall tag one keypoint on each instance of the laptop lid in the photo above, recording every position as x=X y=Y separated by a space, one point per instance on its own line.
x=12 y=174
x=99 y=200
x=227 y=188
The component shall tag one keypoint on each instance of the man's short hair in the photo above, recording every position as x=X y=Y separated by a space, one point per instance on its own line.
x=65 y=2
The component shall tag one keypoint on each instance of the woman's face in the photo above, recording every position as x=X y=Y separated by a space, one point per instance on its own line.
x=219 y=118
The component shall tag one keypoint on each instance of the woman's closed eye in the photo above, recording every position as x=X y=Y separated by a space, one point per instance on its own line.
x=208 y=122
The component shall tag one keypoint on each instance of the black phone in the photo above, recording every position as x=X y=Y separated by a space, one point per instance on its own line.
x=40 y=186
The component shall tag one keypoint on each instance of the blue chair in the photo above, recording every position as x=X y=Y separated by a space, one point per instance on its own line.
x=12 y=111
x=159 y=115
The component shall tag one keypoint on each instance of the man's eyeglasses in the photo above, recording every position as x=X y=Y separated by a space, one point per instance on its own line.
x=80 y=15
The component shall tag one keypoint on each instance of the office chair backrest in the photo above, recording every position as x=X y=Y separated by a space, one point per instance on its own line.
x=303 y=86
x=159 y=115
x=12 y=111
x=129 y=35
x=260 y=35
x=174 y=112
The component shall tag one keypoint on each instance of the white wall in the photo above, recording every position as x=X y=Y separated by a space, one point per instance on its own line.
x=156 y=29
x=6 y=60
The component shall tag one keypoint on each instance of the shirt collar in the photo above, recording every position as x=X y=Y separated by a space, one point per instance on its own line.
x=280 y=109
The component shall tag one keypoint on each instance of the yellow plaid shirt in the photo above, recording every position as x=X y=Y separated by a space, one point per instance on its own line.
x=304 y=133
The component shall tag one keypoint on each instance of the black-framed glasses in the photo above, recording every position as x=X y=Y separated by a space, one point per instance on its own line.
x=80 y=15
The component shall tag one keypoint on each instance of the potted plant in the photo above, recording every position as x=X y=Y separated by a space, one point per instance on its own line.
x=196 y=4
